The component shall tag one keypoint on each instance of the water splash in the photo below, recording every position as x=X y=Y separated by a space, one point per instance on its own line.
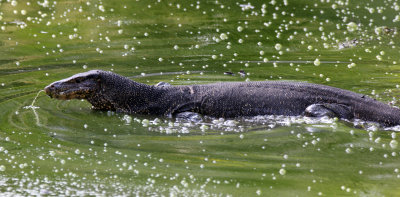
x=33 y=107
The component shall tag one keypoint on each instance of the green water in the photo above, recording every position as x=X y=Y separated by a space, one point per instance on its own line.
x=65 y=148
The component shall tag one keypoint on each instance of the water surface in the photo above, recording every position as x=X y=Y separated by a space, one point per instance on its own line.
x=65 y=148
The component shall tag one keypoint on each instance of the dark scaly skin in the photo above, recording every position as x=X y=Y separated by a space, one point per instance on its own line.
x=109 y=91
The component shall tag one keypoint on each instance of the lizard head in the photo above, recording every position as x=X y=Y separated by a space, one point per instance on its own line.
x=79 y=86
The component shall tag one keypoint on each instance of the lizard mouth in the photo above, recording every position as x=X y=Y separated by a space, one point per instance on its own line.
x=66 y=90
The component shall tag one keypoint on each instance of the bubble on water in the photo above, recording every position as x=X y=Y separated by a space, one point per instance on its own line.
x=314 y=142
x=230 y=123
x=352 y=65
x=2 y=168
x=77 y=151
x=393 y=144
x=258 y=192
x=22 y=165
x=176 y=47
x=85 y=126
x=371 y=149
x=223 y=36
x=239 y=28
x=352 y=26
x=282 y=171
x=145 y=122
x=278 y=46
x=204 y=127
x=348 y=150
x=285 y=156
x=214 y=57
x=127 y=119
x=101 y=8
x=317 y=62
